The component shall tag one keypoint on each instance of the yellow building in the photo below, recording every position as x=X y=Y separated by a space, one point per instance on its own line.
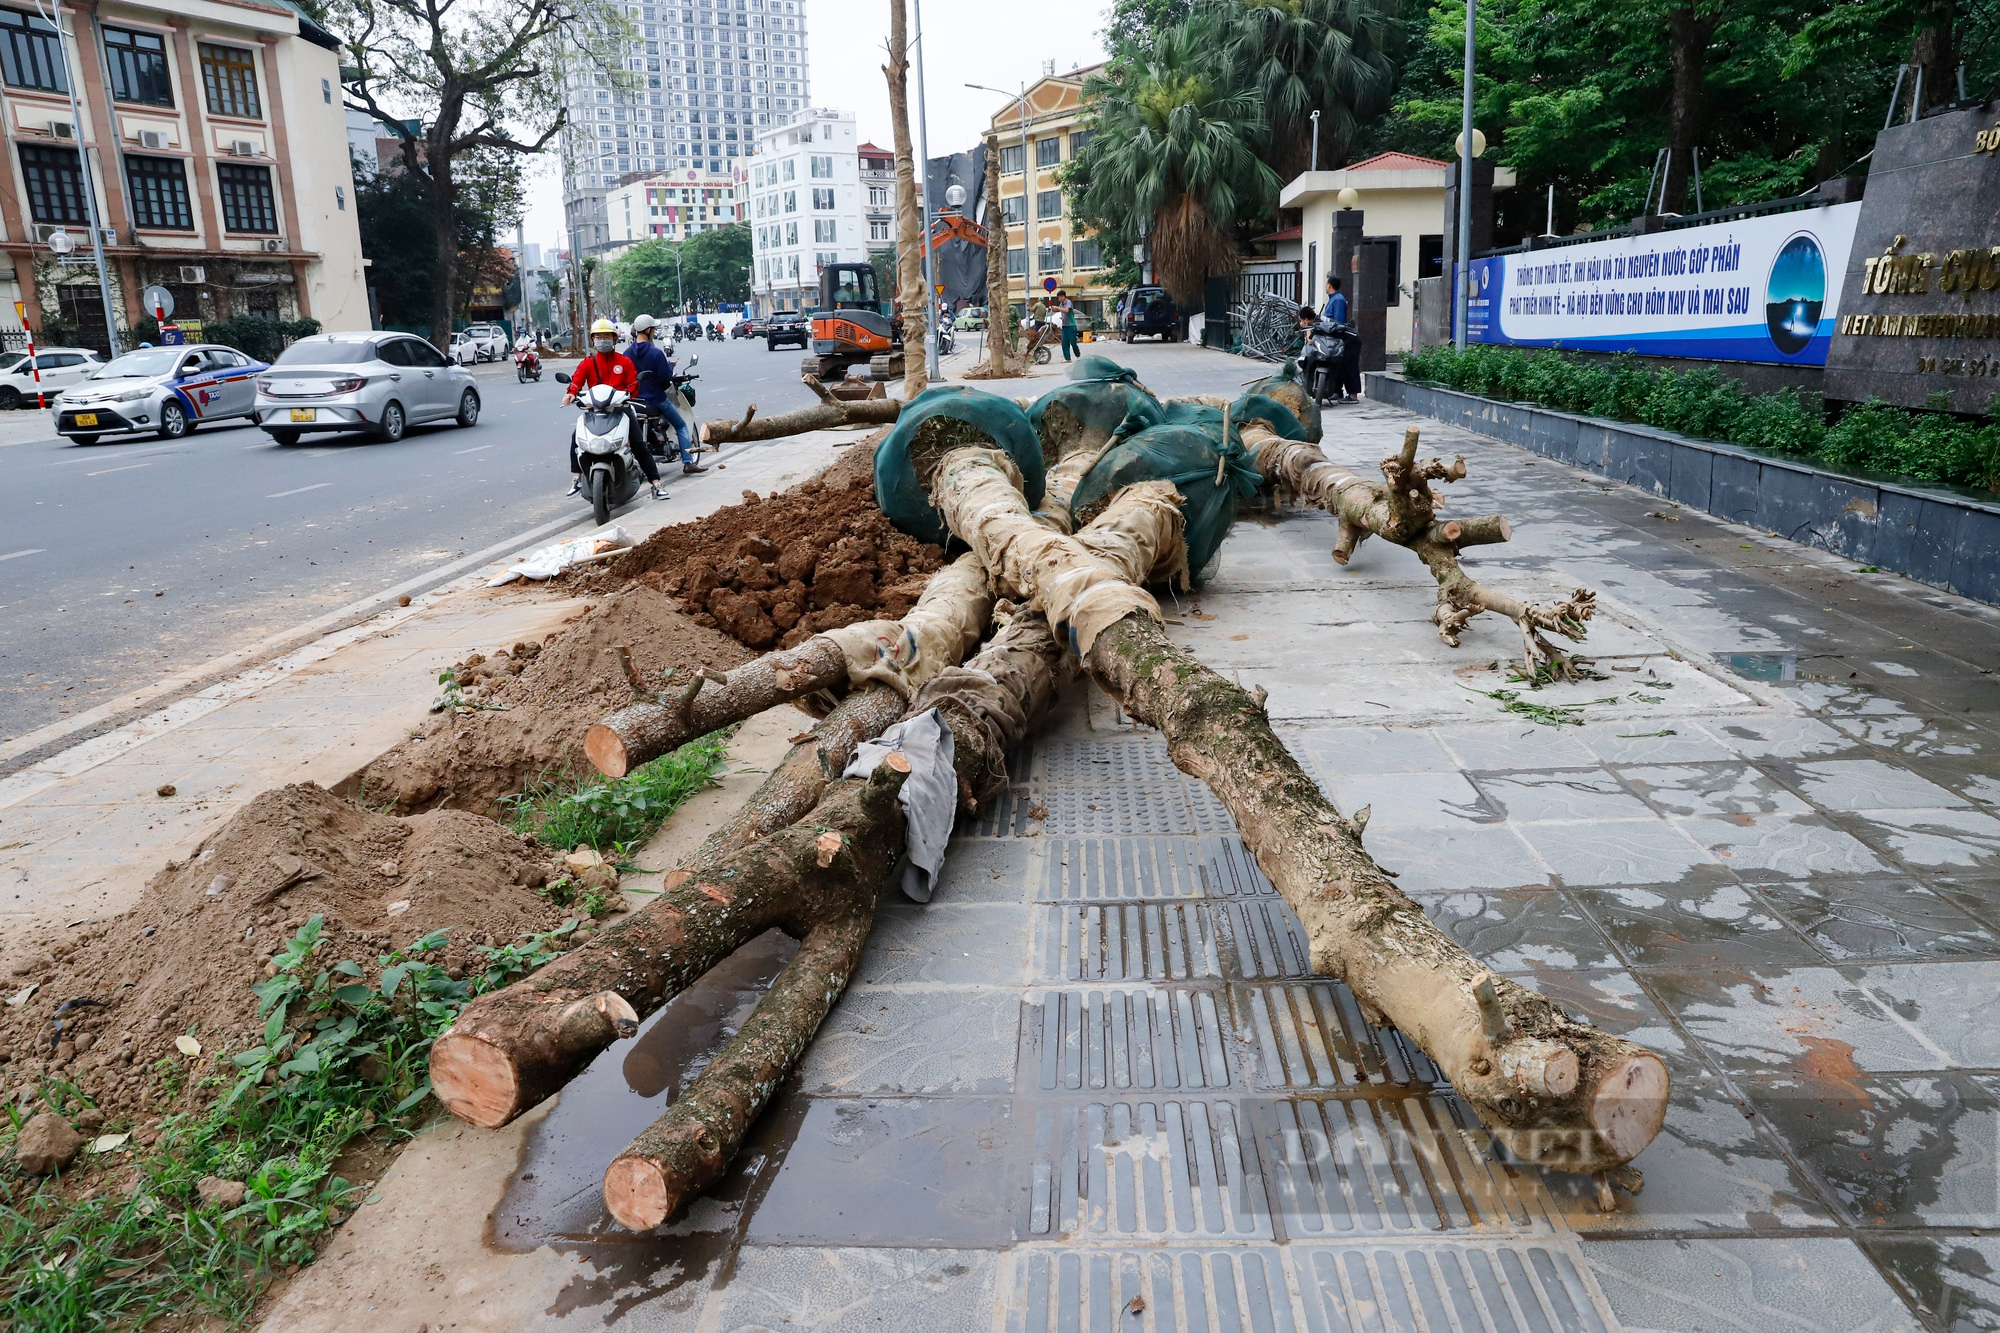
x=1041 y=243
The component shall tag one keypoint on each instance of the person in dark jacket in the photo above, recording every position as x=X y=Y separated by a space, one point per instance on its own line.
x=647 y=355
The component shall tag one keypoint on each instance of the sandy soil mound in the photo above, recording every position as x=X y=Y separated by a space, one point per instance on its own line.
x=547 y=697
x=775 y=570
x=184 y=959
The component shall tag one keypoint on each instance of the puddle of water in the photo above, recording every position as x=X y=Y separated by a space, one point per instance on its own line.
x=1763 y=666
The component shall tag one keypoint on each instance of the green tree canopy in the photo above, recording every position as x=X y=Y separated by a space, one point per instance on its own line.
x=706 y=269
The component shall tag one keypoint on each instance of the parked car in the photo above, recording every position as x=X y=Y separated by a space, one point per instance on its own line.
x=60 y=367
x=788 y=326
x=1149 y=312
x=379 y=383
x=464 y=350
x=971 y=319
x=163 y=391
x=745 y=327
x=490 y=340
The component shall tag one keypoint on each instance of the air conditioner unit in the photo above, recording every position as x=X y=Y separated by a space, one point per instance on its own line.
x=193 y=273
x=274 y=245
x=63 y=129
x=243 y=147
x=152 y=138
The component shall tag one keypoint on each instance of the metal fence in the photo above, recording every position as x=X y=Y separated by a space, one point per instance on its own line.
x=1229 y=302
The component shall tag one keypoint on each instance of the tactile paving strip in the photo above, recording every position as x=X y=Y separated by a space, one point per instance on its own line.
x=1261 y=938
x=1241 y=1289
x=1117 y=808
x=1139 y=759
x=1491 y=1288
x=1131 y=941
x=1155 y=1170
x=1096 y=869
x=1312 y=1035
x=1103 y=1038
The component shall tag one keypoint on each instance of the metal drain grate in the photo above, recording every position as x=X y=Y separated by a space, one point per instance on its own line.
x=1312 y=1035
x=1492 y=1288
x=1078 y=1040
x=1127 y=942
x=1179 y=1290
x=1156 y=1170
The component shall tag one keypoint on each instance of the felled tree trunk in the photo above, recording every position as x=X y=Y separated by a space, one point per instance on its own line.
x=988 y=704
x=1560 y=1093
x=910 y=224
x=939 y=631
x=830 y=413
x=1402 y=508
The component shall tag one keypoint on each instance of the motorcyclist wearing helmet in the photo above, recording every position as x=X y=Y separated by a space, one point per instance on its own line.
x=605 y=366
x=647 y=356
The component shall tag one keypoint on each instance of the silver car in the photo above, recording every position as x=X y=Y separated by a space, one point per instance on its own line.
x=163 y=391
x=380 y=383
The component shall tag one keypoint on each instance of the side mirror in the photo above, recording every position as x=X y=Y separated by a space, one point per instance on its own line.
x=694 y=360
x=562 y=377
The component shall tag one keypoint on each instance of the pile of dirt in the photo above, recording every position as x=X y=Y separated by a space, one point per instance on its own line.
x=525 y=711
x=778 y=569
x=109 y=1000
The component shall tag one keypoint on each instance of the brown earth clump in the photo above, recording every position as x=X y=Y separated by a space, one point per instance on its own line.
x=182 y=961
x=527 y=709
x=775 y=570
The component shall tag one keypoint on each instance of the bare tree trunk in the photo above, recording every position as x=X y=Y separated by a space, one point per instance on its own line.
x=1934 y=51
x=996 y=265
x=1560 y=1093
x=1404 y=511
x=1687 y=35
x=910 y=225
x=829 y=413
x=444 y=223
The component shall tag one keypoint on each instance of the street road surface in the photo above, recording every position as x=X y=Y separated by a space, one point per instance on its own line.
x=124 y=560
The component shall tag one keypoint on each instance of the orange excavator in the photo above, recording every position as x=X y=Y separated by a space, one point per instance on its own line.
x=854 y=324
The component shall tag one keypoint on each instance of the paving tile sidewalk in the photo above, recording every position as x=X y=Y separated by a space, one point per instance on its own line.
x=82 y=831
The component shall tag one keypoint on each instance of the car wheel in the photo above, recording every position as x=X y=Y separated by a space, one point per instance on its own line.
x=285 y=436
x=10 y=397
x=174 y=421
x=85 y=439
x=390 y=429
x=468 y=408
x=770 y=345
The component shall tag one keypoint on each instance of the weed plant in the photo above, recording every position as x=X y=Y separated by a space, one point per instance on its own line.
x=1921 y=446
x=614 y=815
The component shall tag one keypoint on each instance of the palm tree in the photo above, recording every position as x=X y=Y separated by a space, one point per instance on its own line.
x=1301 y=56
x=1177 y=153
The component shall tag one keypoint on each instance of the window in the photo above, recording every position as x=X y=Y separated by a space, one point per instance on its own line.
x=138 y=62
x=825 y=231
x=247 y=203
x=55 y=184
x=1048 y=204
x=159 y=192
x=1048 y=152
x=30 y=54
x=878 y=196
x=1017 y=263
x=1078 y=139
x=229 y=75
x=1010 y=158
x=823 y=199
x=791 y=201
x=825 y=258
x=792 y=238
x=878 y=229
x=1049 y=258
x=1087 y=254
x=822 y=168
x=1014 y=209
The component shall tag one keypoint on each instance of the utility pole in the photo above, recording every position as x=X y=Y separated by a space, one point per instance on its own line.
x=54 y=20
x=1461 y=306
x=924 y=202
x=1315 y=148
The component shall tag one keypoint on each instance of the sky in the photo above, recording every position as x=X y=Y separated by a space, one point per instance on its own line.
x=965 y=41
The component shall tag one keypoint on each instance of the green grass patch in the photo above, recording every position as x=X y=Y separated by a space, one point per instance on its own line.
x=615 y=815
x=1921 y=446
x=344 y=1055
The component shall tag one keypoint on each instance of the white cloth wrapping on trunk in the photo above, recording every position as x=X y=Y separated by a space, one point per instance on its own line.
x=929 y=796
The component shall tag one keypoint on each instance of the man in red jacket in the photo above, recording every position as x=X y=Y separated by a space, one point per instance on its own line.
x=605 y=365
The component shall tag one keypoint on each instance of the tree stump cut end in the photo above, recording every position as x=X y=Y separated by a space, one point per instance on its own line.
x=636 y=1192
x=606 y=751
x=1630 y=1104
x=475 y=1080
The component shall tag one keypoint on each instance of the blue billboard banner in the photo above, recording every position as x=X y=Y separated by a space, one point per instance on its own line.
x=1756 y=289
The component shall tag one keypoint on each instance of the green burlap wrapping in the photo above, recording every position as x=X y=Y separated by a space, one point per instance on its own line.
x=992 y=420
x=1189 y=451
x=1254 y=406
x=1285 y=388
x=1089 y=409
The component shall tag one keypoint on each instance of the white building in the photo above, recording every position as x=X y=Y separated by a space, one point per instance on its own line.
x=878 y=201
x=806 y=208
x=710 y=75
x=673 y=206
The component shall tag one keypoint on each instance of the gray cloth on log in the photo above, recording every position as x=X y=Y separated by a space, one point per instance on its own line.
x=929 y=796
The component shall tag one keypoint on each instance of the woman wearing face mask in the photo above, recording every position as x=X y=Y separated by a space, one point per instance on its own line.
x=605 y=365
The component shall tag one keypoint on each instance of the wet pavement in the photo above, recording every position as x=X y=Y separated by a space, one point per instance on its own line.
x=1093 y=1085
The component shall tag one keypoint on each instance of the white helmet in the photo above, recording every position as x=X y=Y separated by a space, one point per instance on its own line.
x=642 y=322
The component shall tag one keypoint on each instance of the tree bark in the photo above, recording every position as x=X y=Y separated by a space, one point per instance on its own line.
x=910 y=225
x=1934 y=51
x=939 y=631
x=989 y=705
x=996 y=265
x=444 y=221
x=1687 y=37
x=1402 y=509
x=1559 y=1093
x=829 y=413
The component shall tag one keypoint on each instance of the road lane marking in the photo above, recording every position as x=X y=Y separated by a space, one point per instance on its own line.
x=298 y=491
x=475 y=449
x=105 y=472
x=16 y=555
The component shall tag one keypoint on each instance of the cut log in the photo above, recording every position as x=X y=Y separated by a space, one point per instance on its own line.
x=830 y=413
x=1403 y=509
x=1558 y=1092
x=939 y=631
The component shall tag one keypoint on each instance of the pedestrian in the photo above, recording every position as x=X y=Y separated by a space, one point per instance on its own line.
x=1066 y=311
x=605 y=365
x=1335 y=312
x=648 y=356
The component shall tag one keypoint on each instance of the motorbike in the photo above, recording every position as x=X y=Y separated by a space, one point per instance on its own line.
x=947 y=340
x=665 y=443
x=603 y=441
x=527 y=365
x=1040 y=334
x=1321 y=360
x=715 y=333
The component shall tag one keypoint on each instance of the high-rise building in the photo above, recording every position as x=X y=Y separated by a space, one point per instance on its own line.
x=674 y=205
x=704 y=76
x=805 y=207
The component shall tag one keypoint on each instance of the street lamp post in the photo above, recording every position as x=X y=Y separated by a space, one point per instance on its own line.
x=54 y=20
x=1465 y=153
x=1315 y=148
x=924 y=201
x=1027 y=227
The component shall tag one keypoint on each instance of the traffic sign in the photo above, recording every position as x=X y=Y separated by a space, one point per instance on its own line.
x=1048 y=284
x=158 y=300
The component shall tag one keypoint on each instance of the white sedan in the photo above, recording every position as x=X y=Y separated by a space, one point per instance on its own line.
x=59 y=368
